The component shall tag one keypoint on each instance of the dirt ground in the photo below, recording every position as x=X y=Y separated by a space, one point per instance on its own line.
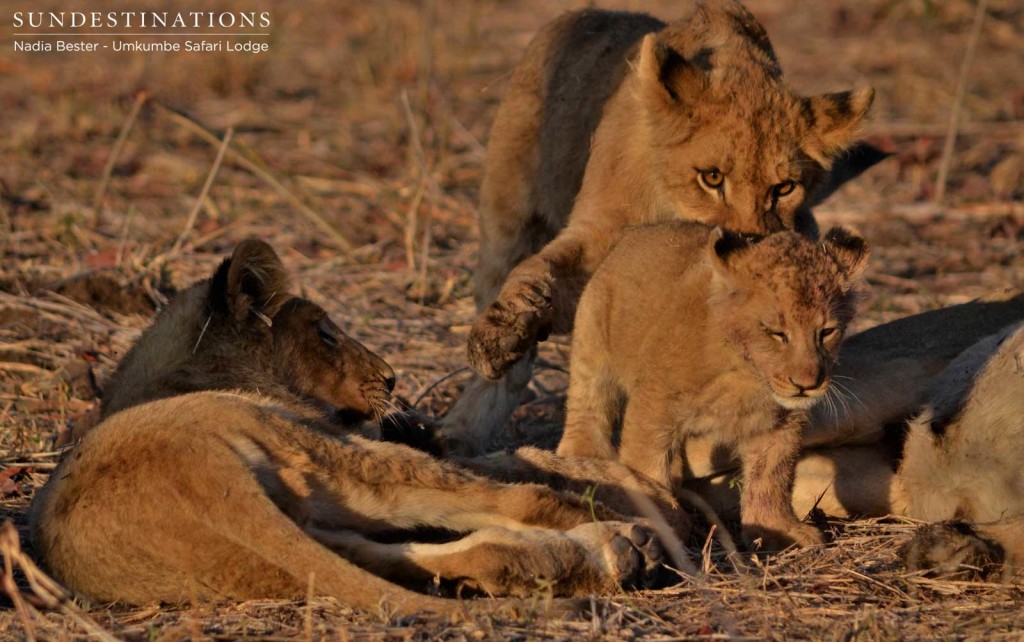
x=357 y=150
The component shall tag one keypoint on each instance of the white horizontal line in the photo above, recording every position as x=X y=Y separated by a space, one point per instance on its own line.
x=142 y=34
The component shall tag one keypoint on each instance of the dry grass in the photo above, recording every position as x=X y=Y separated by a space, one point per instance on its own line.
x=357 y=148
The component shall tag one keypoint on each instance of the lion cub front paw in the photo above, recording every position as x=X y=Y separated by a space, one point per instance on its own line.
x=757 y=537
x=509 y=327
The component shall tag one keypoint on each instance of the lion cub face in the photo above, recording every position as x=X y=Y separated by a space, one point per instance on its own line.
x=785 y=302
x=730 y=143
x=243 y=330
x=321 y=362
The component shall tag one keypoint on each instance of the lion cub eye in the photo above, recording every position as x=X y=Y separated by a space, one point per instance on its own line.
x=711 y=179
x=785 y=188
x=325 y=329
x=778 y=335
x=826 y=333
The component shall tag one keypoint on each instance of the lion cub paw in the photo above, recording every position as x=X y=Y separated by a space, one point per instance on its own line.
x=763 y=538
x=509 y=327
x=951 y=549
x=629 y=554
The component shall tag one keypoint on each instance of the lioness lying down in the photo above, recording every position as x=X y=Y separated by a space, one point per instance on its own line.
x=229 y=465
x=963 y=460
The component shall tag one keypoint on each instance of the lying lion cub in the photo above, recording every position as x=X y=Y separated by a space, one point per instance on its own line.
x=702 y=331
x=615 y=119
x=228 y=466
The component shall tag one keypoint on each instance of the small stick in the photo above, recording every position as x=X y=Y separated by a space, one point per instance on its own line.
x=202 y=193
x=424 y=256
x=339 y=239
x=958 y=103
x=425 y=180
x=429 y=388
x=122 y=244
x=45 y=588
x=115 y=153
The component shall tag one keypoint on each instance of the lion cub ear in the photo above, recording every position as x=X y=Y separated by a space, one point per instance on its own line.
x=849 y=249
x=723 y=248
x=666 y=74
x=252 y=284
x=836 y=119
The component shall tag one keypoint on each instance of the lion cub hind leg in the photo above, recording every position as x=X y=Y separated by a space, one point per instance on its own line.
x=162 y=532
x=649 y=435
x=375 y=485
x=609 y=482
x=593 y=402
x=766 y=511
x=595 y=557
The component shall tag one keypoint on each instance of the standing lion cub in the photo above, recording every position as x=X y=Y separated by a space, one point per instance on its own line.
x=703 y=331
x=615 y=119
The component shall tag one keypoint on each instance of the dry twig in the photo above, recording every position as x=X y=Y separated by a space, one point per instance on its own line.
x=958 y=102
x=115 y=152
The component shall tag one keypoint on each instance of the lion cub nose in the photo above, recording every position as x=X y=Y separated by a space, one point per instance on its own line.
x=809 y=382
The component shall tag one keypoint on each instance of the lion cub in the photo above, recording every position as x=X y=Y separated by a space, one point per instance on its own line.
x=615 y=119
x=702 y=330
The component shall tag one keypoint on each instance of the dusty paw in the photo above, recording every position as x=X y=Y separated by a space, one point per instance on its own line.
x=509 y=327
x=761 y=538
x=951 y=549
x=628 y=553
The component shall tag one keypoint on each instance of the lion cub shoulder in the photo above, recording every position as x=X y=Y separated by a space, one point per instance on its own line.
x=705 y=331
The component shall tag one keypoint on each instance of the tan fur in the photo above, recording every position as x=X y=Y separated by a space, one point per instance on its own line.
x=697 y=331
x=609 y=121
x=884 y=376
x=959 y=465
x=962 y=457
x=228 y=467
x=846 y=481
x=962 y=460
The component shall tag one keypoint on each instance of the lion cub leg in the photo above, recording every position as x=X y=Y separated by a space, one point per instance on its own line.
x=766 y=510
x=649 y=435
x=376 y=484
x=595 y=557
x=538 y=297
x=592 y=405
x=608 y=481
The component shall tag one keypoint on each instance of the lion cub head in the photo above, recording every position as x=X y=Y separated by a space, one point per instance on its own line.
x=730 y=143
x=242 y=330
x=784 y=302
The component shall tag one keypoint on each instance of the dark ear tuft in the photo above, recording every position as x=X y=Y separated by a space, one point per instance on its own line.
x=252 y=281
x=851 y=163
x=666 y=71
x=849 y=249
x=836 y=119
x=723 y=246
x=727 y=242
